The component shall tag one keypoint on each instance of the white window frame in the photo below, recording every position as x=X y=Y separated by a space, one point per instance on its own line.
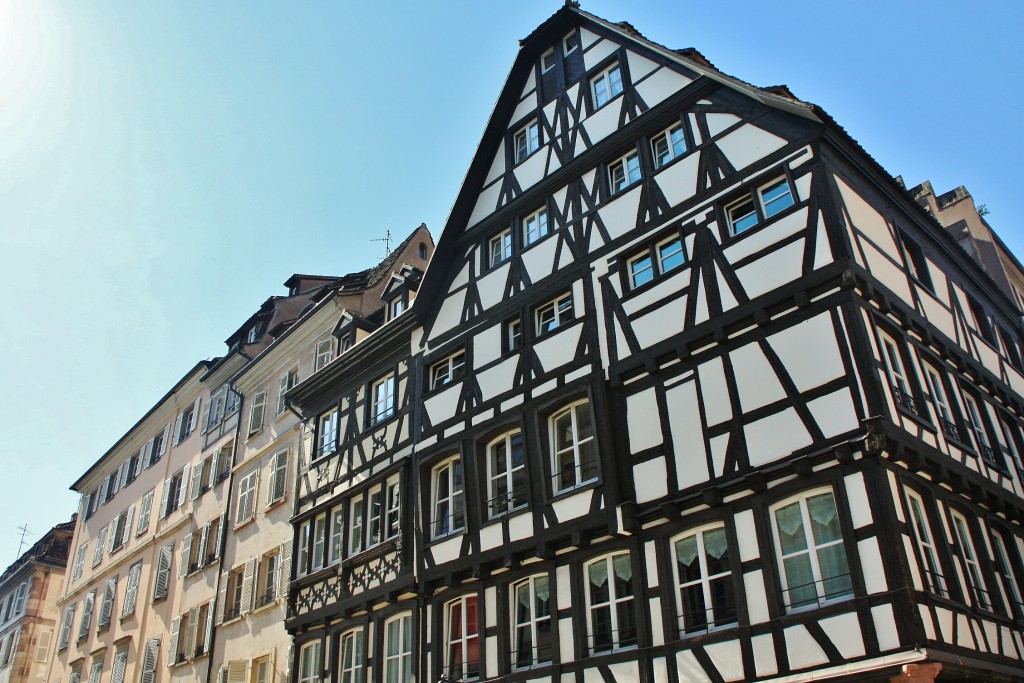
x=899 y=379
x=397 y=659
x=1004 y=570
x=624 y=172
x=942 y=406
x=932 y=576
x=499 y=504
x=357 y=525
x=975 y=423
x=257 y=412
x=572 y=410
x=248 y=487
x=327 y=434
x=352 y=657
x=566 y=48
x=448 y=370
x=532 y=624
x=457 y=646
x=323 y=353
x=319 y=541
x=656 y=257
x=672 y=151
x=499 y=248
x=972 y=569
x=554 y=314
x=514 y=333
x=337 y=544
x=536 y=226
x=309 y=662
x=711 y=619
x=606 y=85
x=547 y=60
x=382 y=397
x=759 y=208
x=526 y=141
x=811 y=549
x=448 y=510
x=612 y=604
x=288 y=380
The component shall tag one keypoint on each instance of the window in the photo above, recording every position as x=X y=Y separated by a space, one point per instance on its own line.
x=462 y=638
x=319 y=541
x=448 y=370
x=261 y=670
x=573 y=451
x=380 y=506
x=1010 y=349
x=532 y=638
x=383 y=399
x=506 y=474
x=149 y=661
x=288 y=380
x=527 y=140
x=396 y=307
x=667 y=145
x=270 y=578
x=21 y=596
x=162 y=577
x=356 y=526
x=398 y=650
x=609 y=591
x=934 y=581
x=978 y=428
x=202 y=631
x=514 y=334
x=570 y=42
x=247 y=488
x=42 y=648
x=202 y=478
x=655 y=260
x=337 y=534
x=145 y=510
x=174 y=491
x=80 y=561
x=535 y=226
x=449 y=514
x=278 y=479
x=65 y=627
x=223 y=461
x=131 y=589
x=942 y=407
x=554 y=314
x=309 y=662
x=257 y=412
x=215 y=410
x=86 y=620
x=323 y=354
x=120 y=665
x=1012 y=445
x=131 y=468
x=186 y=423
x=1011 y=590
x=346 y=339
x=351 y=667
x=704 y=581
x=981 y=320
x=107 y=604
x=606 y=85
x=917 y=264
x=500 y=248
x=327 y=435
x=96 y=669
x=623 y=172
x=547 y=60
x=809 y=546
x=975 y=581
x=120 y=529
x=758 y=206
x=897 y=377
x=179 y=628
x=157 y=447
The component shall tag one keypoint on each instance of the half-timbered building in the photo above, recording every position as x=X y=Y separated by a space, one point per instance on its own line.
x=692 y=390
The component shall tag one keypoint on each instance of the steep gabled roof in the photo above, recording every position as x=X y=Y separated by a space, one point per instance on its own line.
x=52 y=549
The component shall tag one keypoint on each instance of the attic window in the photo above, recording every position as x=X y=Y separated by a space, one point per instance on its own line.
x=251 y=337
x=423 y=250
x=547 y=60
x=571 y=42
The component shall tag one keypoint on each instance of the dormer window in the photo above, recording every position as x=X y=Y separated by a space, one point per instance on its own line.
x=547 y=60
x=251 y=337
x=395 y=308
x=571 y=42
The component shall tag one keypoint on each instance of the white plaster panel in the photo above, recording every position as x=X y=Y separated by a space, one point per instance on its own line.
x=441 y=406
x=490 y=537
x=655 y=326
x=487 y=346
x=756 y=382
x=857 y=495
x=764 y=655
x=867 y=220
x=450 y=313
x=574 y=506
x=558 y=349
x=885 y=627
x=746 y=145
x=701 y=314
x=714 y=391
x=639 y=66
x=588 y=38
x=719 y=446
x=462 y=278
x=991 y=635
x=599 y=51
x=757 y=601
x=651 y=563
x=964 y=637
x=775 y=436
x=643 y=421
x=516 y=400
x=727 y=657
x=519 y=527
x=725 y=294
x=690 y=669
x=545 y=388
x=696 y=129
x=485 y=204
x=526 y=106
x=687 y=435
x=562 y=583
x=890 y=274
x=845 y=633
x=666 y=286
x=497 y=166
x=926 y=622
x=660 y=85
x=1006 y=642
x=822 y=247
x=803 y=187
x=447 y=550
x=497 y=379
x=803 y=649
x=549 y=115
x=566 y=642
x=531 y=170
x=603 y=122
x=491 y=287
x=679 y=181
x=660 y=668
x=746 y=535
x=772 y=271
x=809 y=352
x=871 y=564
x=539 y=259
x=651 y=480
x=491 y=663
x=626 y=672
x=491 y=606
x=719 y=122
x=756 y=241
x=945 y=619
x=531 y=83
x=620 y=215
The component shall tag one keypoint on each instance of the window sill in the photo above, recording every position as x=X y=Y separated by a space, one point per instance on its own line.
x=446 y=537
x=820 y=604
x=275 y=504
x=505 y=516
x=651 y=284
x=245 y=523
x=267 y=605
x=735 y=236
x=914 y=417
x=364 y=556
x=672 y=162
x=578 y=488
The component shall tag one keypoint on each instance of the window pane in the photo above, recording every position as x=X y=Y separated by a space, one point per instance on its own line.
x=776 y=198
x=743 y=216
x=790 y=524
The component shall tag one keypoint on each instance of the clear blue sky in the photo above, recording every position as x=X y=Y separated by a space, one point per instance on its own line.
x=165 y=166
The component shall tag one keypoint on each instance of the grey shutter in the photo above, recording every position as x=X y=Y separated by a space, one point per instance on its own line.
x=120 y=664
x=163 y=572
x=247 y=580
x=131 y=590
x=115 y=479
x=128 y=519
x=163 y=449
x=183 y=489
x=128 y=469
x=144 y=512
x=197 y=481
x=222 y=597
x=172 y=642
x=286 y=569
x=149 y=661
x=164 y=507
x=138 y=462
x=194 y=417
x=259 y=404
x=190 y=633
x=289 y=662
x=112 y=535
x=86 y=621
x=201 y=555
x=27 y=597
x=81 y=506
x=104 y=487
x=107 y=608
x=177 y=429
x=222 y=675
x=65 y=629
x=147 y=453
x=186 y=553
x=279 y=476
x=220 y=533
x=208 y=633
x=214 y=468
x=206 y=418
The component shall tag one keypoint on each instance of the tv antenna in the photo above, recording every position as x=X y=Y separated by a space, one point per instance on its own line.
x=387 y=243
x=24 y=532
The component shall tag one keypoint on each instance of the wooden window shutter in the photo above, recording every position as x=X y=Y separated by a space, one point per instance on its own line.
x=191 y=633
x=149 y=661
x=113 y=535
x=165 y=504
x=115 y=479
x=144 y=512
x=128 y=519
x=202 y=545
x=285 y=576
x=279 y=477
x=247 y=580
x=197 y=481
x=183 y=489
x=186 y=552
x=237 y=671
x=104 y=487
x=214 y=469
x=131 y=590
x=177 y=429
x=107 y=608
x=208 y=632
x=101 y=541
x=256 y=413
x=172 y=642
x=222 y=598
x=163 y=572
x=220 y=534
x=127 y=469
x=42 y=646
x=163 y=448
x=65 y=628
x=120 y=664
x=86 y=621
x=206 y=419
x=147 y=453
x=222 y=675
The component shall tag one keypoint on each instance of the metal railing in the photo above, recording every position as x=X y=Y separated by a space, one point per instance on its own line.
x=936 y=583
x=705 y=621
x=528 y=656
x=506 y=503
x=568 y=478
x=904 y=399
x=609 y=640
x=456 y=673
x=818 y=593
x=950 y=429
x=267 y=597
